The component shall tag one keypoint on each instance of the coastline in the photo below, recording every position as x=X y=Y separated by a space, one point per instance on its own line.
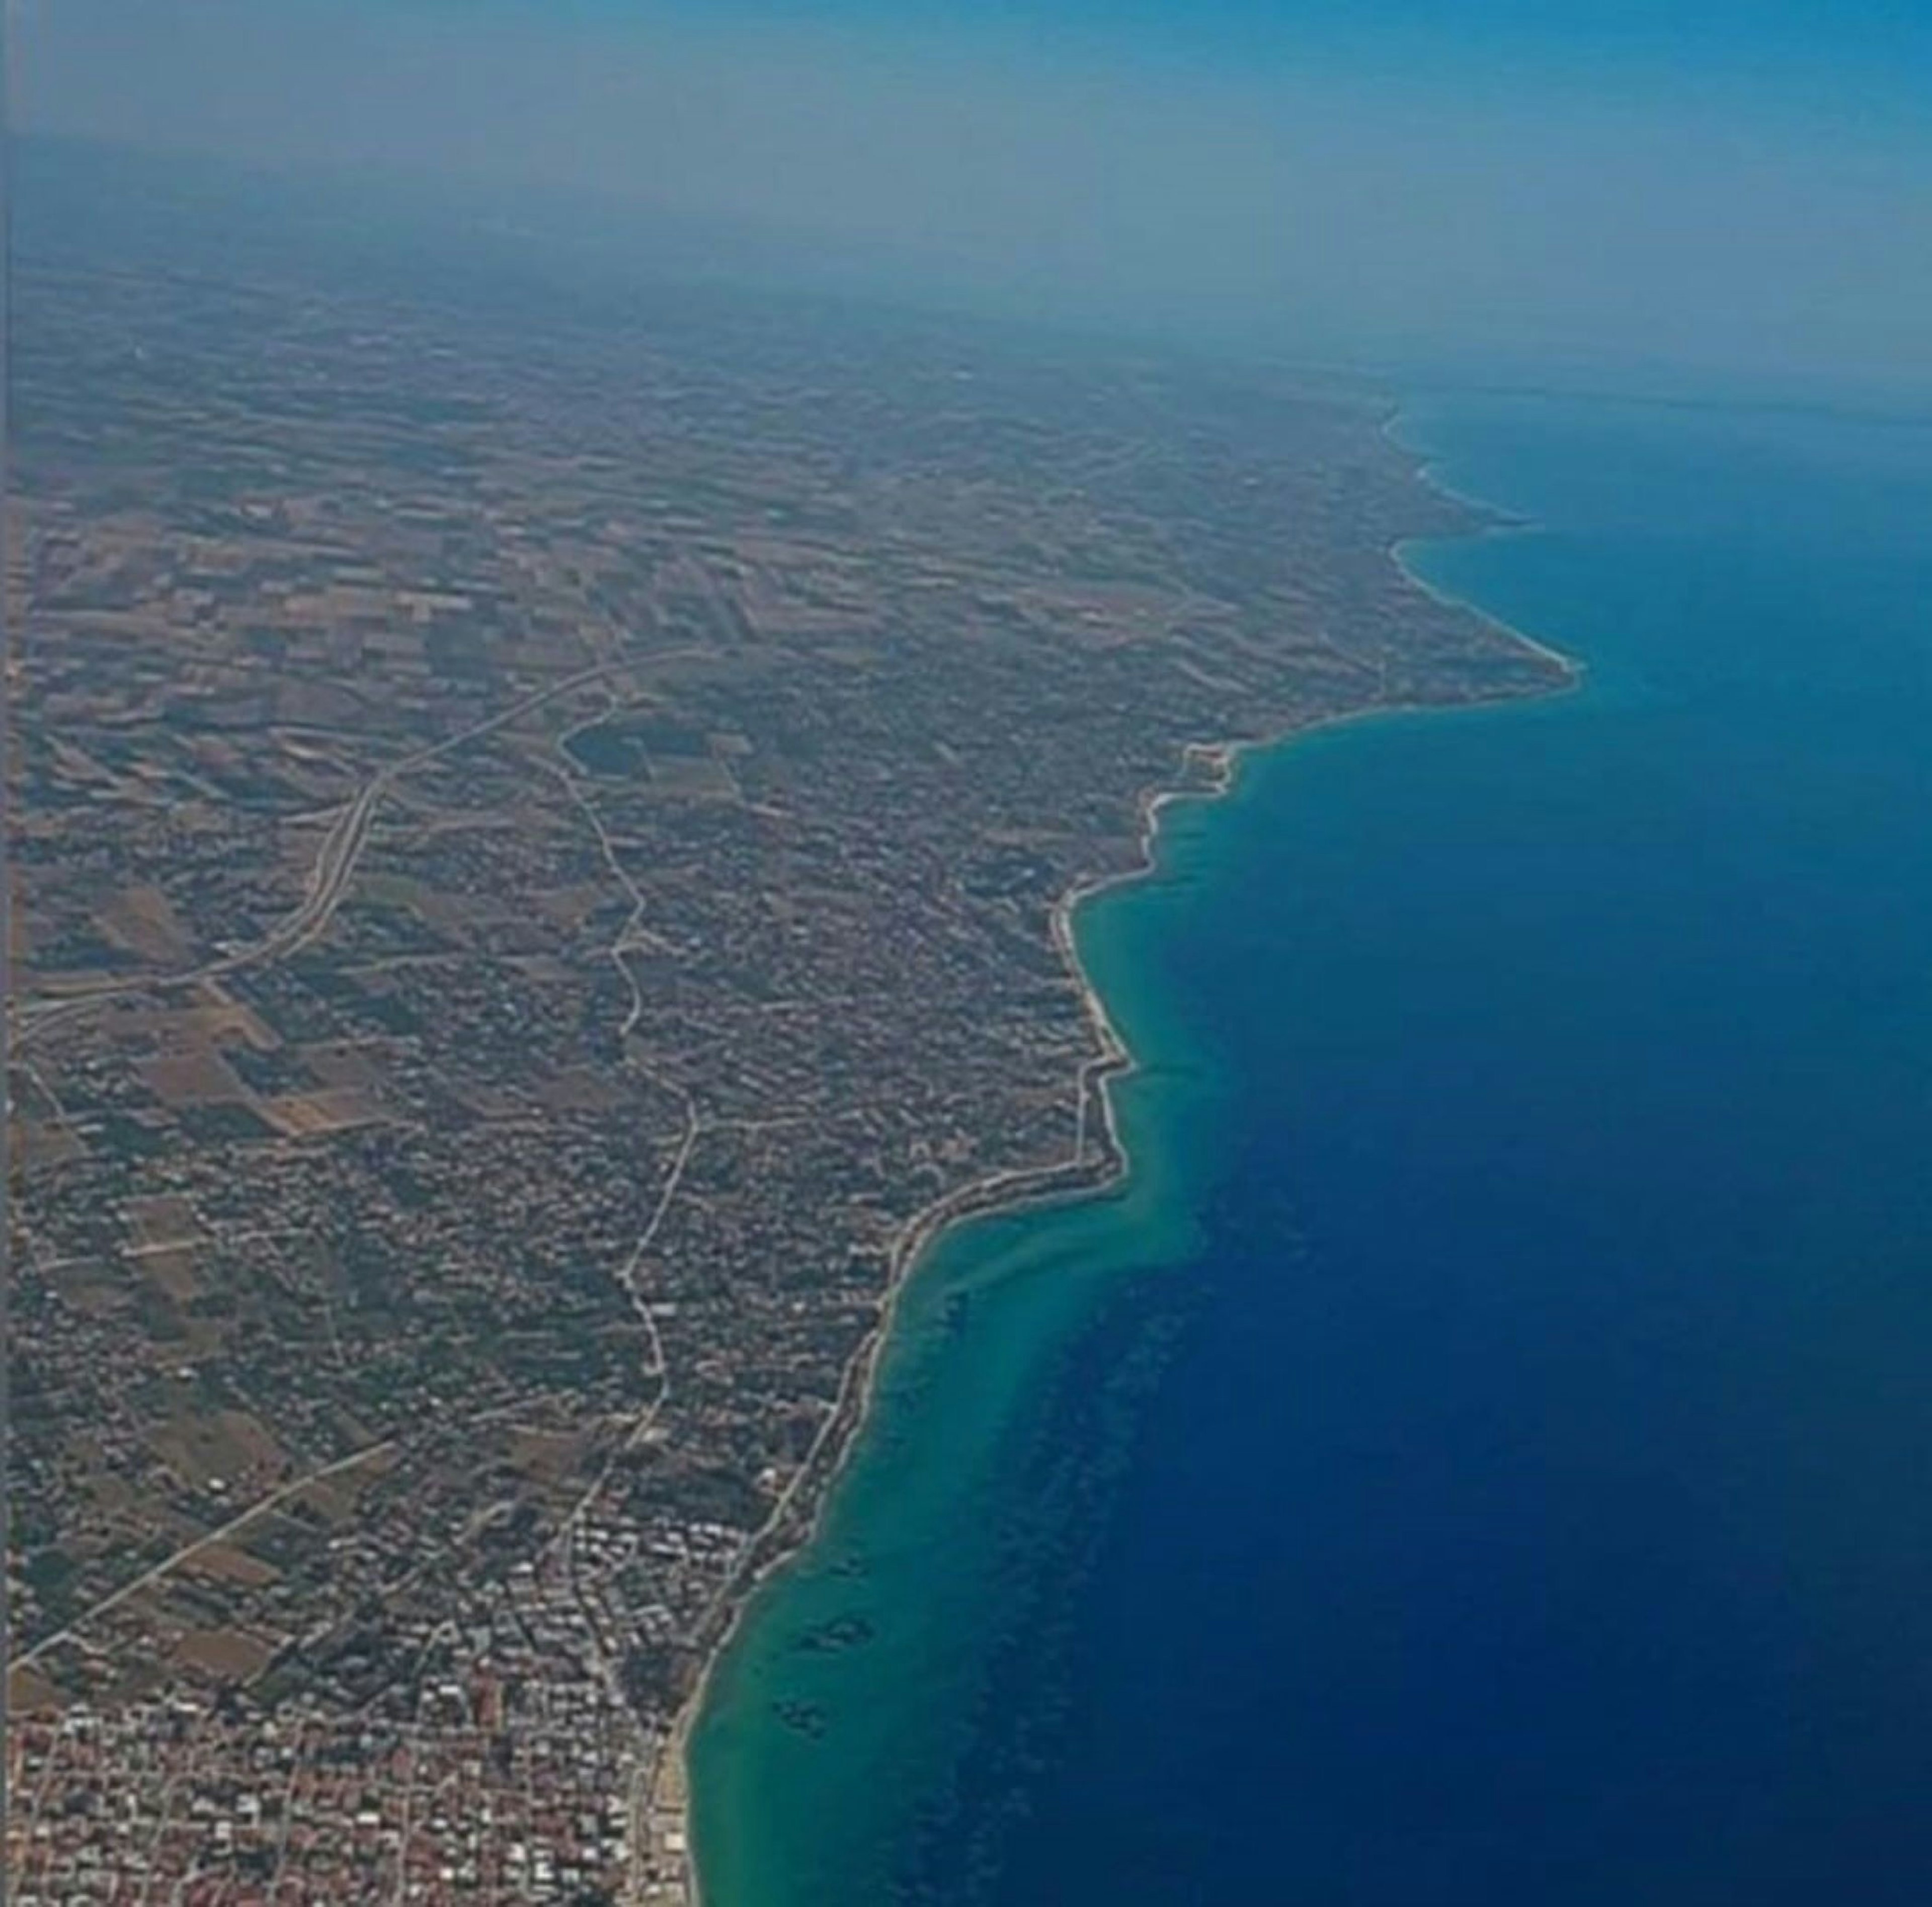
x=1492 y=520
x=1207 y=771
x=1001 y=1192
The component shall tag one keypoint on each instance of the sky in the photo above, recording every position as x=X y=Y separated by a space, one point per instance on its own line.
x=1739 y=190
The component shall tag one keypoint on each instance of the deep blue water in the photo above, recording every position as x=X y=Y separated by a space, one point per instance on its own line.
x=1535 y=1502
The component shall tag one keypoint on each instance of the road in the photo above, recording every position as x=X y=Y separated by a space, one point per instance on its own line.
x=328 y=879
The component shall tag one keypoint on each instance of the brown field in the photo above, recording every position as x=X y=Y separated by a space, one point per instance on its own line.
x=28 y=1693
x=38 y=1145
x=570 y=907
x=317 y=704
x=193 y=1079
x=335 y=1109
x=342 y=1066
x=173 y=1271
x=96 y=1288
x=224 y=1652
x=164 y=1220
x=231 y=1445
x=455 y=914
x=544 y=968
x=226 y=1563
x=223 y=1019
x=579 y=1090
x=108 y=1492
x=141 y=921
x=547 y=1456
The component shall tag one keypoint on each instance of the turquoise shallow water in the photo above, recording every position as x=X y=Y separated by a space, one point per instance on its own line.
x=1483 y=1453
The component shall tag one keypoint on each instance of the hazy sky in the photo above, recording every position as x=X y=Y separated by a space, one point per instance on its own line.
x=1746 y=186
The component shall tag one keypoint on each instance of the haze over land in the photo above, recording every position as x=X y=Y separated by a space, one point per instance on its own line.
x=541 y=810
x=589 y=586
x=1685 y=192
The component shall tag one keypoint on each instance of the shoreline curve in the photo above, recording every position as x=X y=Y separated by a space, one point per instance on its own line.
x=664 y=1801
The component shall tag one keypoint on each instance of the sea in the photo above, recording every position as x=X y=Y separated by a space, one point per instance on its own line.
x=1481 y=1456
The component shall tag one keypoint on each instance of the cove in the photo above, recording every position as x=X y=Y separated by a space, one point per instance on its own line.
x=1481 y=1453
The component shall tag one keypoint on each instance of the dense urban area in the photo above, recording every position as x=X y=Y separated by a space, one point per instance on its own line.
x=540 y=828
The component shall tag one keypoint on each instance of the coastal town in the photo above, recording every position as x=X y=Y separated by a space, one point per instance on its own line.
x=541 y=833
